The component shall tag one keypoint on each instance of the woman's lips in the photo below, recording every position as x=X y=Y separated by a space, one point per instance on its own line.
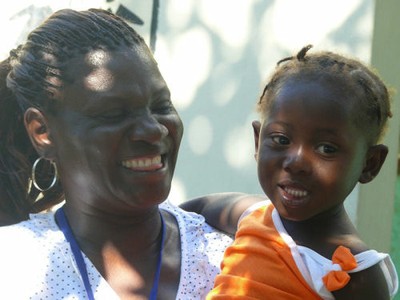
x=148 y=164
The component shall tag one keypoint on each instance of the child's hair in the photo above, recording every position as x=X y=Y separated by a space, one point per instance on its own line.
x=357 y=80
x=33 y=76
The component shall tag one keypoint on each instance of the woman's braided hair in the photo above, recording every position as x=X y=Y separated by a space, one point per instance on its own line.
x=30 y=77
x=372 y=95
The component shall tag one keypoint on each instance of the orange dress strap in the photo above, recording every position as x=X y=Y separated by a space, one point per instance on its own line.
x=259 y=264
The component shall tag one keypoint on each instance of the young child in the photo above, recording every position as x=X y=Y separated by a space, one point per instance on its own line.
x=322 y=116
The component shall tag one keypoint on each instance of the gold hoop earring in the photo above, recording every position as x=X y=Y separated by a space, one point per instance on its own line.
x=34 y=176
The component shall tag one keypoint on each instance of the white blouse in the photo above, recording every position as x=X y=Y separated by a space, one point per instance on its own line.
x=36 y=261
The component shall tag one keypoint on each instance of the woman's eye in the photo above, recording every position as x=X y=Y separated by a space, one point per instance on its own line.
x=113 y=114
x=280 y=140
x=326 y=149
x=163 y=107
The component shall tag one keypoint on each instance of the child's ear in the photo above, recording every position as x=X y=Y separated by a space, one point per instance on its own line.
x=38 y=131
x=376 y=156
x=256 y=131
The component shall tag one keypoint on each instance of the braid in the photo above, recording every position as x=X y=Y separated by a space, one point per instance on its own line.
x=38 y=66
x=32 y=76
x=372 y=96
x=16 y=154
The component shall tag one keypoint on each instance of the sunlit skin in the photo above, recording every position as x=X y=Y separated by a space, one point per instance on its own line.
x=321 y=119
x=310 y=156
x=123 y=132
x=115 y=136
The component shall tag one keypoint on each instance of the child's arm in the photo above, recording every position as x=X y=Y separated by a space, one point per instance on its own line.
x=222 y=210
x=369 y=284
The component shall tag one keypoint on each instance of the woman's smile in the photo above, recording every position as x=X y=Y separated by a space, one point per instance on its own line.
x=144 y=164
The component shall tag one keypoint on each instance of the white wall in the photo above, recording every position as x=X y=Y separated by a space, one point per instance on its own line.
x=215 y=56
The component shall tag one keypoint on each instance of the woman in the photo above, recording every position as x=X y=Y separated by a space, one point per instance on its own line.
x=101 y=122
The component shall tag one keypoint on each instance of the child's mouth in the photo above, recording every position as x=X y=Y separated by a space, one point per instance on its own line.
x=294 y=196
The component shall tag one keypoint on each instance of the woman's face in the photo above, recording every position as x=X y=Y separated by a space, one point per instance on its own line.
x=115 y=131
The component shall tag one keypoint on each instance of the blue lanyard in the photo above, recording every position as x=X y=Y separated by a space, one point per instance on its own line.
x=76 y=251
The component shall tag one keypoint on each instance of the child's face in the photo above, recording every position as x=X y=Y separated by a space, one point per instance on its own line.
x=310 y=153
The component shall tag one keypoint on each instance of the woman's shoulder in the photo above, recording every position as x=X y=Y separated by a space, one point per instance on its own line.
x=191 y=223
x=33 y=253
x=39 y=228
x=196 y=235
x=202 y=249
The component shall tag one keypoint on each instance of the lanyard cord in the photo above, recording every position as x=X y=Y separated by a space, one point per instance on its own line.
x=156 y=280
x=76 y=251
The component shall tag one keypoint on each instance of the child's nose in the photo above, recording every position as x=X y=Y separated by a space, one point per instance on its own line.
x=297 y=160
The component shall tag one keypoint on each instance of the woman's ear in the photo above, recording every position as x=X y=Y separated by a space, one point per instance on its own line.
x=376 y=156
x=256 y=131
x=37 y=128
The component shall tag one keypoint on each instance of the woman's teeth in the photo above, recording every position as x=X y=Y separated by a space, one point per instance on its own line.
x=143 y=163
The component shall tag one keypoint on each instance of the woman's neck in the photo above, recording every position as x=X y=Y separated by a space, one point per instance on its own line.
x=127 y=253
x=94 y=230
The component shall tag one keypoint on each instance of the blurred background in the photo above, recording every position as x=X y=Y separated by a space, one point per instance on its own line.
x=216 y=56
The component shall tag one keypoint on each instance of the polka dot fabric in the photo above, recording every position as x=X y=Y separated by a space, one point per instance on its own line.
x=202 y=252
x=36 y=261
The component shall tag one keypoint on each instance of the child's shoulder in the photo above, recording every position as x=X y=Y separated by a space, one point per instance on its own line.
x=351 y=241
x=378 y=281
x=368 y=274
x=256 y=207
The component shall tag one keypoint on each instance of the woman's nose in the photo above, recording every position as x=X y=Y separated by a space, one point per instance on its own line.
x=297 y=160
x=148 y=128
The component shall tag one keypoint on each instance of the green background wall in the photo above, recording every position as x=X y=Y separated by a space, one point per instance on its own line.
x=385 y=57
x=395 y=251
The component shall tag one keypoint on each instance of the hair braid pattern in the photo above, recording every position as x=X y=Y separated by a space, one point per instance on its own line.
x=32 y=76
x=372 y=96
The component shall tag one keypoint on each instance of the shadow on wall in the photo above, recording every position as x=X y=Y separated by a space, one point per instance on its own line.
x=215 y=57
x=22 y=16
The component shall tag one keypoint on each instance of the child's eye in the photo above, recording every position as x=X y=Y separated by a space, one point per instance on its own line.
x=326 y=149
x=280 y=139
